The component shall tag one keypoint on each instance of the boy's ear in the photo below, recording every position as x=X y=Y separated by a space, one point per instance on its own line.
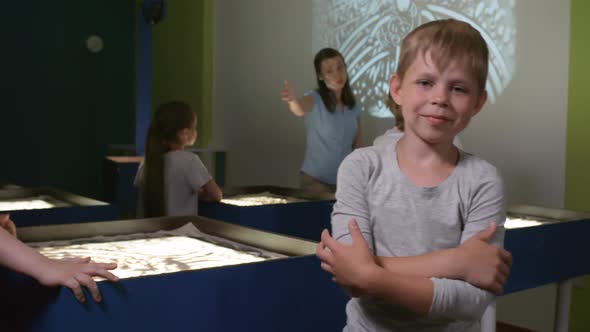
x=395 y=86
x=483 y=97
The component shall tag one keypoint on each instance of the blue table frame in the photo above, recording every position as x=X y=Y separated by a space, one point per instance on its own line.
x=553 y=252
x=305 y=219
x=118 y=176
x=291 y=294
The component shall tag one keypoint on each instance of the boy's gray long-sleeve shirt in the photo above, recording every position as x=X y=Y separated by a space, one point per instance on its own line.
x=400 y=219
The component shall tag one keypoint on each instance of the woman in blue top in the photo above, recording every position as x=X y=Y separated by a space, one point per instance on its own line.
x=331 y=121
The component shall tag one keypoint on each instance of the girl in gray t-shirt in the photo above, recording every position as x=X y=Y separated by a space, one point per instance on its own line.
x=172 y=180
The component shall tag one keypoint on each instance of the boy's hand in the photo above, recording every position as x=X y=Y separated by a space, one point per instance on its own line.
x=7 y=224
x=482 y=264
x=287 y=92
x=350 y=265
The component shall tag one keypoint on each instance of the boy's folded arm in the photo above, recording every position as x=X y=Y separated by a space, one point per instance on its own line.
x=481 y=238
x=413 y=293
x=437 y=298
x=450 y=297
x=484 y=265
x=457 y=299
x=434 y=264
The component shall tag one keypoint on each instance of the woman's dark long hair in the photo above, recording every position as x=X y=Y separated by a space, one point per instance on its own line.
x=170 y=118
x=327 y=96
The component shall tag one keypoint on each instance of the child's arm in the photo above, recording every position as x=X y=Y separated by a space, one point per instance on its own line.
x=200 y=180
x=354 y=266
x=476 y=261
x=210 y=192
x=7 y=224
x=72 y=274
x=297 y=106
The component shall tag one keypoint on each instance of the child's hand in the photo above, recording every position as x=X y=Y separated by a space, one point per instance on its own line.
x=350 y=265
x=7 y=224
x=287 y=92
x=482 y=264
x=75 y=273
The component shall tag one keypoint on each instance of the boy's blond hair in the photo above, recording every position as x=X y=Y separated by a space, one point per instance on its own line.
x=396 y=110
x=447 y=40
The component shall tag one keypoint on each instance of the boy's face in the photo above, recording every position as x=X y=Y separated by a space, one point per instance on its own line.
x=437 y=103
x=333 y=73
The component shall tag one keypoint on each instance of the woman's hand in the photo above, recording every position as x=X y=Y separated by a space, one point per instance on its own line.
x=288 y=92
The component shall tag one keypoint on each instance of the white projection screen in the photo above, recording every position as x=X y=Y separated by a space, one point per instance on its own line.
x=368 y=33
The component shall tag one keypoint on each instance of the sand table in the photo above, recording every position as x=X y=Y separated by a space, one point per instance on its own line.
x=25 y=204
x=146 y=254
x=512 y=222
x=264 y=198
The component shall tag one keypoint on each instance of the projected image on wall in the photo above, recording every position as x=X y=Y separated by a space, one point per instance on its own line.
x=369 y=33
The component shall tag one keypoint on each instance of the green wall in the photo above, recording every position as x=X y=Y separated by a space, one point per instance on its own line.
x=61 y=104
x=183 y=61
x=577 y=190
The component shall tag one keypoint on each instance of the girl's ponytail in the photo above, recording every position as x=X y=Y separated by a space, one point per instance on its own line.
x=169 y=119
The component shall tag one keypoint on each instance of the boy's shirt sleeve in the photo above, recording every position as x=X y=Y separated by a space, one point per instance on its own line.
x=351 y=200
x=458 y=299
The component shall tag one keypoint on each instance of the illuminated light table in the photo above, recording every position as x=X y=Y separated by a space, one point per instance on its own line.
x=286 y=291
x=46 y=206
x=547 y=246
x=288 y=211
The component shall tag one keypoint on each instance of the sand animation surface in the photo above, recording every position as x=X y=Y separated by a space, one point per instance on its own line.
x=155 y=253
x=264 y=198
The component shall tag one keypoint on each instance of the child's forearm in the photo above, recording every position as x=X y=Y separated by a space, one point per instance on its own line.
x=210 y=192
x=19 y=257
x=479 y=263
x=451 y=299
x=438 y=264
x=413 y=293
